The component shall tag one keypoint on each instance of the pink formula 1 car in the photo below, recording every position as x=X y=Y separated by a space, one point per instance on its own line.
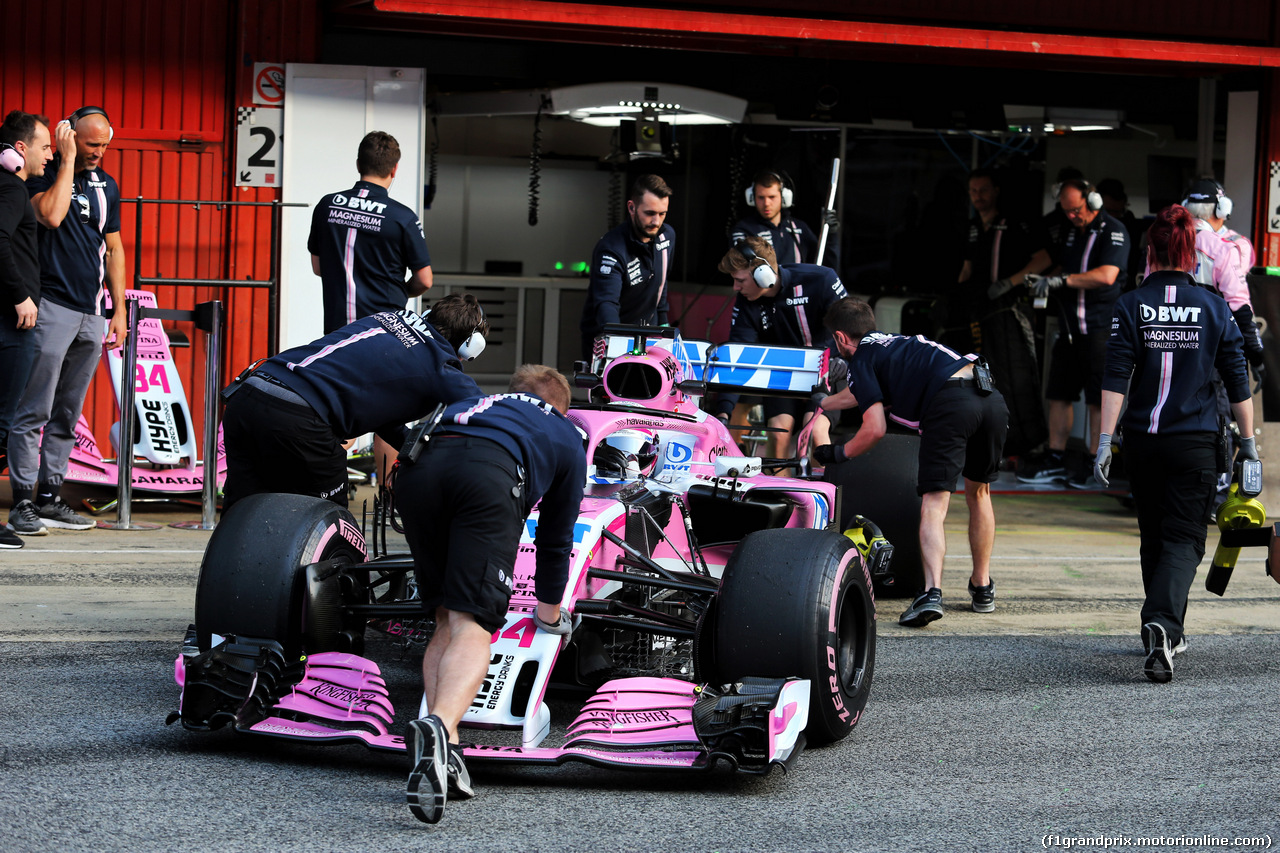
x=718 y=615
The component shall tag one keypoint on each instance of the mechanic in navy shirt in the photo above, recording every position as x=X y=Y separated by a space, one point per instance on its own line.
x=926 y=387
x=792 y=240
x=1095 y=257
x=285 y=423
x=1167 y=337
x=362 y=241
x=464 y=501
x=988 y=311
x=78 y=207
x=777 y=304
x=630 y=265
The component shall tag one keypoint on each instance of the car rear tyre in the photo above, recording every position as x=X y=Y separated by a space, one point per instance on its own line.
x=259 y=576
x=800 y=603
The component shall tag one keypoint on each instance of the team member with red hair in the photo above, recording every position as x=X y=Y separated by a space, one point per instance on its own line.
x=1166 y=339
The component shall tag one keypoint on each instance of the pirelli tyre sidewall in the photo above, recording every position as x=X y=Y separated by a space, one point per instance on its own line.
x=800 y=603
x=258 y=577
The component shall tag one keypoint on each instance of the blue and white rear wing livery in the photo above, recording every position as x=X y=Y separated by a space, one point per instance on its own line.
x=766 y=368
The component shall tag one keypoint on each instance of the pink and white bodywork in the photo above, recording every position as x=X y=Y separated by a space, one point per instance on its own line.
x=167 y=438
x=642 y=721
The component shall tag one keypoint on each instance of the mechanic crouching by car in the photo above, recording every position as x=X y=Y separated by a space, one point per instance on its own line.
x=1167 y=337
x=962 y=419
x=777 y=304
x=464 y=495
x=285 y=421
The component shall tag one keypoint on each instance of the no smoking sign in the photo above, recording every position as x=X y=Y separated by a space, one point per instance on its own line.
x=268 y=84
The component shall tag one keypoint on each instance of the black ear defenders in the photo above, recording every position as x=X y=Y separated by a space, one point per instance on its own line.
x=1092 y=199
x=91 y=111
x=784 y=186
x=761 y=272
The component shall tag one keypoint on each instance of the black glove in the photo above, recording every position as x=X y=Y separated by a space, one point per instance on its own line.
x=828 y=454
x=999 y=288
x=1252 y=341
x=1259 y=375
x=818 y=394
x=830 y=219
x=1040 y=285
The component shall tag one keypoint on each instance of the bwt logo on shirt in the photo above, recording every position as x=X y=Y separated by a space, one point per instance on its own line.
x=1169 y=314
x=357 y=203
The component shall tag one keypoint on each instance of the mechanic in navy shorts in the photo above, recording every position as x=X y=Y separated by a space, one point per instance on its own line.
x=286 y=421
x=1095 y=260
x=962 y=420
x=464 y=500
x=1167 y=338
x=777 y=304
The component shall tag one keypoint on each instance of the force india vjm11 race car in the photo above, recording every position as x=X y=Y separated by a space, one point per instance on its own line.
x=718 y=614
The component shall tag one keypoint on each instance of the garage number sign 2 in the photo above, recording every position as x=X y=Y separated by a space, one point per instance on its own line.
x=258 y=133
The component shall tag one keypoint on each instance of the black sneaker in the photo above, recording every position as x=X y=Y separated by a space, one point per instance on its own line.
x=926 y=608
x=57 y=514
x=9 y=541
x=1048 y=471
x=984 y=597
x=428 y=744
x=1159 y=665
x=459 y=778
x=24 y=519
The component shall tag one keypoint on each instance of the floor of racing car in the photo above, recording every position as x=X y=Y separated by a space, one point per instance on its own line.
x=983 y=732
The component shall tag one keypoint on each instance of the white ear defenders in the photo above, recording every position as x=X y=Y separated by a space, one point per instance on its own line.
x=1206 y=189
x=1092 y=199
x=92 y=111
x=471 y=348
x=761 y=272
x=10 y=159
x=788 y=196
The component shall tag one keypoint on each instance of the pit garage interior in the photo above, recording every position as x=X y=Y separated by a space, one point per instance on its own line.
x=1150 y=93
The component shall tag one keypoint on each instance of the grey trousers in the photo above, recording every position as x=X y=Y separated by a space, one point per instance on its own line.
x=68 y=345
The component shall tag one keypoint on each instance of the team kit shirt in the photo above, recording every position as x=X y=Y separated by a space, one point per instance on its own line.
x=914 y=367
x=365 y=241
x=375 y=375
x=1168 y=336
x=628 y=279
x=793 y=241
x=19 y=255
x=550 y=448
x=998 y=252
x=1103 y=242
x=73 y=255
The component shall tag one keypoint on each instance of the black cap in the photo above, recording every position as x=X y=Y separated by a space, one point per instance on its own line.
x=1205 y=190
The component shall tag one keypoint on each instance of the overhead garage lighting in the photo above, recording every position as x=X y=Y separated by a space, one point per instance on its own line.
x=1028 y=119
x=606 y=104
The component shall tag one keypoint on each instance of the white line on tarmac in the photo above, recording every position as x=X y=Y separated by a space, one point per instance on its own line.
x=1063 y=558
x=112 y=551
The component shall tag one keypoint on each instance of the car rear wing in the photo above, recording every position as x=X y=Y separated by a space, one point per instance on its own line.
x=769 y=369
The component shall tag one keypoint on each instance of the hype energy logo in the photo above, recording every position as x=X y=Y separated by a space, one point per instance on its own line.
x=677 y=454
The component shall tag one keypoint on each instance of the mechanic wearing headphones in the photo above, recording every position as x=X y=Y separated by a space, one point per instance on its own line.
x=792 y=240
x=286 y=420
x=464 y=496
x=78 y=207
x=1167 y=338
x=962 y=420
x=1095 y=257
x=777 y=304
x=630 y=265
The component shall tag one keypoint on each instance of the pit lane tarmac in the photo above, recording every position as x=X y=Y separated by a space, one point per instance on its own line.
x=983 y=732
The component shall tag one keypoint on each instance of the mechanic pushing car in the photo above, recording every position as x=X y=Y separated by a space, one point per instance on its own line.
x=286 y=420
x=464 y=492
x=962 y=419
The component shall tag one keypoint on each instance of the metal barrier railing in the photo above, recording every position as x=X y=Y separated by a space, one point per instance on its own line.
x=209 y=317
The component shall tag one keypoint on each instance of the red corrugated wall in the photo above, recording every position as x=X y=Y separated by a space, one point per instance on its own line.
x=170 y=74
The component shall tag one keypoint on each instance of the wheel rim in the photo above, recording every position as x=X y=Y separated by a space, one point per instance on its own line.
x=851 y=646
